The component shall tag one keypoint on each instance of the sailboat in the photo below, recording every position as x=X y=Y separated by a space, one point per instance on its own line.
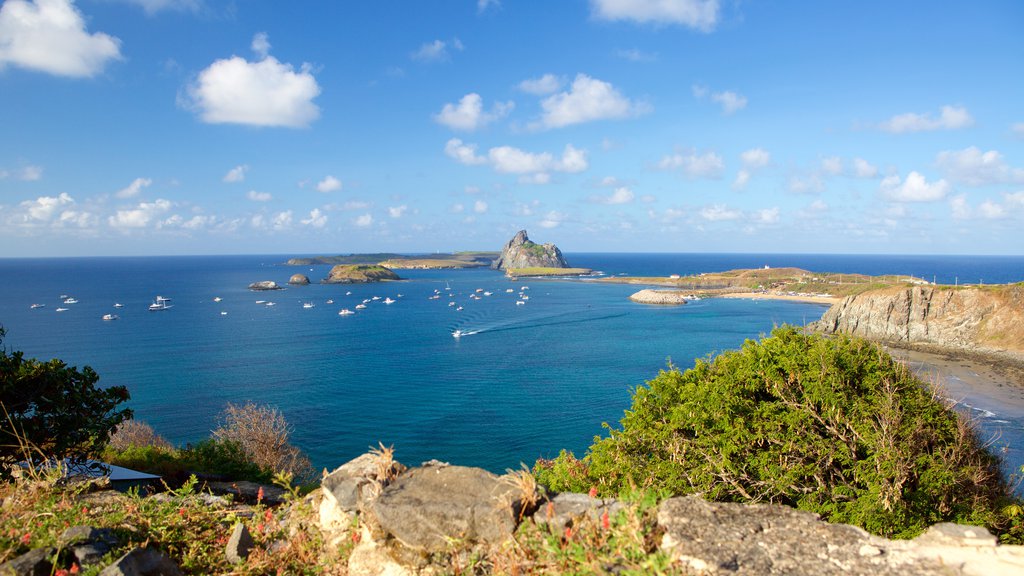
x=160 y=303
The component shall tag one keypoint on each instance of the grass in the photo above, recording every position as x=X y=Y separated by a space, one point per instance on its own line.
x=540 y=271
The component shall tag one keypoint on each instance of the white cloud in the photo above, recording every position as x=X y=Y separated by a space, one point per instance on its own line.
x=990 y=210
x=742 y=179
x=28 y=173
x=317 y=219
x=480 y=207
x=153 y=6
x=719 y=212
x=730 y=101
x=328 y=184
x=77 y=218
x=552 y=219
x=44 y=207
x=959 y=207
x=236 y=174
x=539 y=178
x=699 y=14
x=753 y=160
x=282 y=221
x=1018 y=129
x=767 y=216
x=463 y=153
x=914 y=189
x=817 y=206
x=263 y=93
x=364 y=221
x=355 y=205
x=863 y=169
x=259 y=196
x=469 y=115
x=833 y=165
x=50 y=36
x=261 y=44
x=1015 y=199
x=397 y=211
x=133 y=189
x=436 y=51
x=510 y=160
x=587 y=100
x=546 y=84
x=950 y=118
x=636 y=55
x=483 y=5
x=973 y=167
x=811 y=184
x=694 y=165
x=457 y=208
x=140 y=216
x=621 y=195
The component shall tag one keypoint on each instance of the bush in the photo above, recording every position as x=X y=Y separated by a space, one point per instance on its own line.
x=55 y=409
x=263 y=434
x=208 y=459
x=132 y=433
x=830 y=425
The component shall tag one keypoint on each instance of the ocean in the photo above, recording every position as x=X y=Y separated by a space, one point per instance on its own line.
x=524 y=382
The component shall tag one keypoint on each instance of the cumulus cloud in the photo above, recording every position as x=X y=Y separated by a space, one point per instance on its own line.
x=1018 y=129
x=863 y=169
x=587 y=100
x=731 y=102
x=317 y=219
x=140 y=216
x=469 y=115
x=535 y=167
x=950 y=118
x=282 y=220
x=621 y=195
x=28 y=173
x=552 y=219
x=914 y=189
x=328 y=184
x=959 y=208
x=397 y=211
x=133 y=189
x=698 y=14
x=636 y=55
x=753 y=160
x=50 y=36
x=262 y=93
x=463 y=153
x=355 y=205
x=767 y=216
x=363 y=221
x=694 y=165
x=480 y=207
x=719 y=212
x=261 y=44
x=44 y=207
x=153 y=6
x=811 y=184
x=833 y=165
x=542 y=86
x=236 y=174
x=973 y=167
x=436 y=51
x=259 y=196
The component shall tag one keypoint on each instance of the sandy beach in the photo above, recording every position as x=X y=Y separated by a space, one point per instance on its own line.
x=773 y=296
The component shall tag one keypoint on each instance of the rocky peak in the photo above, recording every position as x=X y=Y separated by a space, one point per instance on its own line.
x=520 y=252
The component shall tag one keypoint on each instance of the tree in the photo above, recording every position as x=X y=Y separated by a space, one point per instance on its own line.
x=54 y=409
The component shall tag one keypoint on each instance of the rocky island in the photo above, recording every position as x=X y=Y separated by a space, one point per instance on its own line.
x=358 y=274
x=648 y=296
x=265 y=285
x=522 y=257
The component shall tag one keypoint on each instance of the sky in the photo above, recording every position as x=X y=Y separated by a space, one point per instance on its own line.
x=158 y=127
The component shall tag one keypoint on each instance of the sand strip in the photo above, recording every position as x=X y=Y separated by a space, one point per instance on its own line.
x=772 y=296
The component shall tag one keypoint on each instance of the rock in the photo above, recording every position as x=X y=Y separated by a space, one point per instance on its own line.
x=239 y=545
x=142 y=562
x=520 y=252
x=249 y=492
x=349 y=489
x=426 y=508
x=299 y=279
x=37 y=562
x=949 y=534
x=359 y=274
x=88 y=545
x=372 y=558
x=989 y=319
x=649 y=296
x=265 y=285
x=567 y=509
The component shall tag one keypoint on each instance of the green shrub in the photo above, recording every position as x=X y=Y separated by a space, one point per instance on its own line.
x=830 y=425
x=209 y=458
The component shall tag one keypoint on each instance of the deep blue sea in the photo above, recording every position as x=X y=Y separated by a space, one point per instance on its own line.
x=528 y=381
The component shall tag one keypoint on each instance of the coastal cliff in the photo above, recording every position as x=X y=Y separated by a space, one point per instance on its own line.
x=977 y=319
x=520 y=252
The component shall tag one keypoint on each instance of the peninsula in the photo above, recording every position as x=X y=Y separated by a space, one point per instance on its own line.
x=394 y=261
x=359 y=274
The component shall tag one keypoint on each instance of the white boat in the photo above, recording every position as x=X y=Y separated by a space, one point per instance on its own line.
x=459 y=308
x=479 y=289
x=360 y=306
x=367 y=301
x=509 y=291
x=261 y=301
x=345 y=312
x=308 y=305
x=457 y=334
x=61 y=310
x=487 y=293
x=118 y=305
x=524 y=297
x=110 y=317
x=524 y=287
x=520 y=303
x=160 y=303
x=271 y=304
x=349 y=293
x=217 y=299
x=330 y=301
x=375 y=298
x=34 y=306
x=451 y=304
x=223 y=313
x=70 y=301
x=389 y=301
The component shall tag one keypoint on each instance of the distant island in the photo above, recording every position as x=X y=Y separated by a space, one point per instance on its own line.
x=403 y=261
x=359 y=274
x=523 y=257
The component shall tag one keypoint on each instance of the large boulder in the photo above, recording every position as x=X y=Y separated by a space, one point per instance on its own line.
x=429 y=507
x=350 y=488
x=520 y=252
x=299 y=279
x=264 y=285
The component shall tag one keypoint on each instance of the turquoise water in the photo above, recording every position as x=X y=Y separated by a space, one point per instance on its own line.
x=526 y=381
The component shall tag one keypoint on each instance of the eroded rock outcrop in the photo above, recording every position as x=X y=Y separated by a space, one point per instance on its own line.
x=989 y=319
x=666 y=297
x=299 y=279
x=264 y=285
x=520 y=252
x=359 y=273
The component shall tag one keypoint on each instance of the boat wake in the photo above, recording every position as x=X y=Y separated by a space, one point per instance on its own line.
x=572 y=317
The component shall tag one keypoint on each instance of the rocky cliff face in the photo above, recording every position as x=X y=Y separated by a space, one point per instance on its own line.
x=520 y=252
x=989 y=319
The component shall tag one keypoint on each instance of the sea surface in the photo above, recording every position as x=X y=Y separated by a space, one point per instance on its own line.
x=523 y=382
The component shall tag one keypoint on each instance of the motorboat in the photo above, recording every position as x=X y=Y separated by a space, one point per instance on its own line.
x=217 y=299
x=223 y=313
x=111 y=317
x=61 y=310
x=360 y=306
x=345 y=312
x=330 y=301
x=118 y=305
x=457 y=334
x=308 y=305
x=520 y=303
x=70 y=301
x=34 y=306
x=458 y=309
x=160 y=303
x=271 y=304
x=261 y=301
x=389 y=301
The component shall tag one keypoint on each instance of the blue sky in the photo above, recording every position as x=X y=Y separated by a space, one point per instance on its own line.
x=142 y=127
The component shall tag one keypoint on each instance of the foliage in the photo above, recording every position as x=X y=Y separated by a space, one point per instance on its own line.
x=135 y=433
x=211 y=458
x=56 y=408
x=264 y=436
x=830 y=425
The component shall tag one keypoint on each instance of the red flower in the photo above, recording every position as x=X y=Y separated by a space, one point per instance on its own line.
x=593 y=492
x=74 y=569
x=568 y=532
x=605 y=523
x=268 y=515
x=259 y=495
x=181 y=512
x=61 y=572
x=26 y=538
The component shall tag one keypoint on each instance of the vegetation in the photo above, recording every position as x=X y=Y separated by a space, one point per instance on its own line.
x=541 y=271
x=481 y=258
x=264 y=436
x=431 y=263
x=355 y=273
x=830 y=425
x=56 y=409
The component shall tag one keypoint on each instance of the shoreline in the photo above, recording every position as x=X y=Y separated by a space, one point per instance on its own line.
x=827 y=300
